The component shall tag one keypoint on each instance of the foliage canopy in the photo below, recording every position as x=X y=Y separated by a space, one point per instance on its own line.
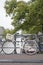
x=27 y=16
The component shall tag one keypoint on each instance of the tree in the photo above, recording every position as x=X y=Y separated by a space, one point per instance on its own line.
x=35 y=16
x=26 y=16
x=8 y=31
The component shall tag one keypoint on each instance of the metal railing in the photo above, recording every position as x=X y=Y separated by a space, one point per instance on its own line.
x=4 y=46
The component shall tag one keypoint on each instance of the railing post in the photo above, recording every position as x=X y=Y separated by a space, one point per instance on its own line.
x=15 y=43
